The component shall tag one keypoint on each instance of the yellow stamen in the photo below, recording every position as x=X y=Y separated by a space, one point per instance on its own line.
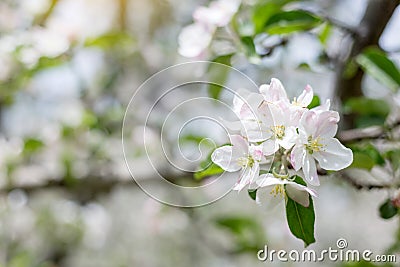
x=278 y=190
x=314 y=145
x=278 y=131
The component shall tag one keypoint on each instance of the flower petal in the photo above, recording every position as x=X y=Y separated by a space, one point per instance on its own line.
x=247 y=177
x=194 y=39
x=297 y=156
x=269 y=147
x=306 y=97
x=310 y=170
x=274 y=91
x=224 y=157
x=335 y=156
x=299 y=193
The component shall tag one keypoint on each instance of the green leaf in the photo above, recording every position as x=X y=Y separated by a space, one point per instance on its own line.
x=32 y=145
x=369 y=111
x=366 y=156
x=252 y=193
x=315 y=102
x=248 y=233
x=291 y=21
x=111 y=40
x=211 y=170
x=362 y=161
x=301 y=219
x=250 y=49
x=387 y=210
x=262 y=12
x=325 y=33
x=394 y=157
x=375 y=62
x=218 y=75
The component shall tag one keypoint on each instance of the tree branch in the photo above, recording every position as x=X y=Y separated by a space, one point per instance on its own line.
x=374 y=21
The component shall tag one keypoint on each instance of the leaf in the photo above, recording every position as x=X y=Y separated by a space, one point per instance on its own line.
x=301 y=219
x=111 y=40
x=249 y=48
x=366 y=156
x=370 y=111
x=394 y=157
x=387 y=210
x=248 y=233
x=252 y=193
x=325 y=33
x=362 y=161
x=262 y=12
x=211 y=170
x=218 y=75
x=291 y=21
x=374 y=62
x=32 y=145
x=314 y=102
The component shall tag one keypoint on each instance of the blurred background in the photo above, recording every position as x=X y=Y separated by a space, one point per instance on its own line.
x=68 y=69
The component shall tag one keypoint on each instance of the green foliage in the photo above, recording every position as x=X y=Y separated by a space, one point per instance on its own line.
x=314 y=102
x=286 y=22
x=394 y=157
x=365 y=156
x=252 y=193
x=325 y=32
x=369 y=111
x=218 y=75
x=249 y=49
x=387 y=210
x=208 y=168
x=248 y=233
x=111 y=40
x=379 y=66
x=301 y=219
x=263 y=11
x=32 y=145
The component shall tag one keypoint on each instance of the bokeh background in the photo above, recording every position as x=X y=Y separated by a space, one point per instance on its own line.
x=68 y=69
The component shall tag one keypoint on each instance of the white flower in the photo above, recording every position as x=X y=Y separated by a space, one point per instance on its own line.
x=316 y=142
x=195 y=38
x=281 y=187
x=218 y=14
x=272 y=128
x=239 y=156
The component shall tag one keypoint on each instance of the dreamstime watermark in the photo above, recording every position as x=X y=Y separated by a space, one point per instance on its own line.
x=339 y=253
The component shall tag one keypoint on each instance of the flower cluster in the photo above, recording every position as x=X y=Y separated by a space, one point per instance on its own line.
x=196 y=37
x=285 y=135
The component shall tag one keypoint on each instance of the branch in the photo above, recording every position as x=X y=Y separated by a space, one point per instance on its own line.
x=364 y=186
x=376 y=17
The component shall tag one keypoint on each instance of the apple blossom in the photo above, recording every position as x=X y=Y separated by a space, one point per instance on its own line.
x=239 y=156
x=196 y=37
x=316 y=142
x=281 y=187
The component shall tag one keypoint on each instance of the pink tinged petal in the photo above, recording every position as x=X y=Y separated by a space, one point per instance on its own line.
x=326 y=124
x=256 y=152
x=274 y=91
x=269 y=147
x=250 y=106
x=225 y=158
x=194 y=39
x=232 y=125
x=247 y=177
x=323 y=107
x=308 y=122
x=310 y=170
x=335 y=156
x=306 y=97
x=239 y=144
x=297 y=156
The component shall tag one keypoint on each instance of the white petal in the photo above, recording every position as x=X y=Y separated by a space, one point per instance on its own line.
x=239 y=144
x=268 y=179
x=269 y=147
x=299 y=193
x=326 y=124
x=194 y=39
x=247 y=177
x=274 y=91
x=323 y=107
x=306 y=97
x=310 y=170
x=297 y=156
x=335 y=156
x=289 y=139
x=224 y=157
